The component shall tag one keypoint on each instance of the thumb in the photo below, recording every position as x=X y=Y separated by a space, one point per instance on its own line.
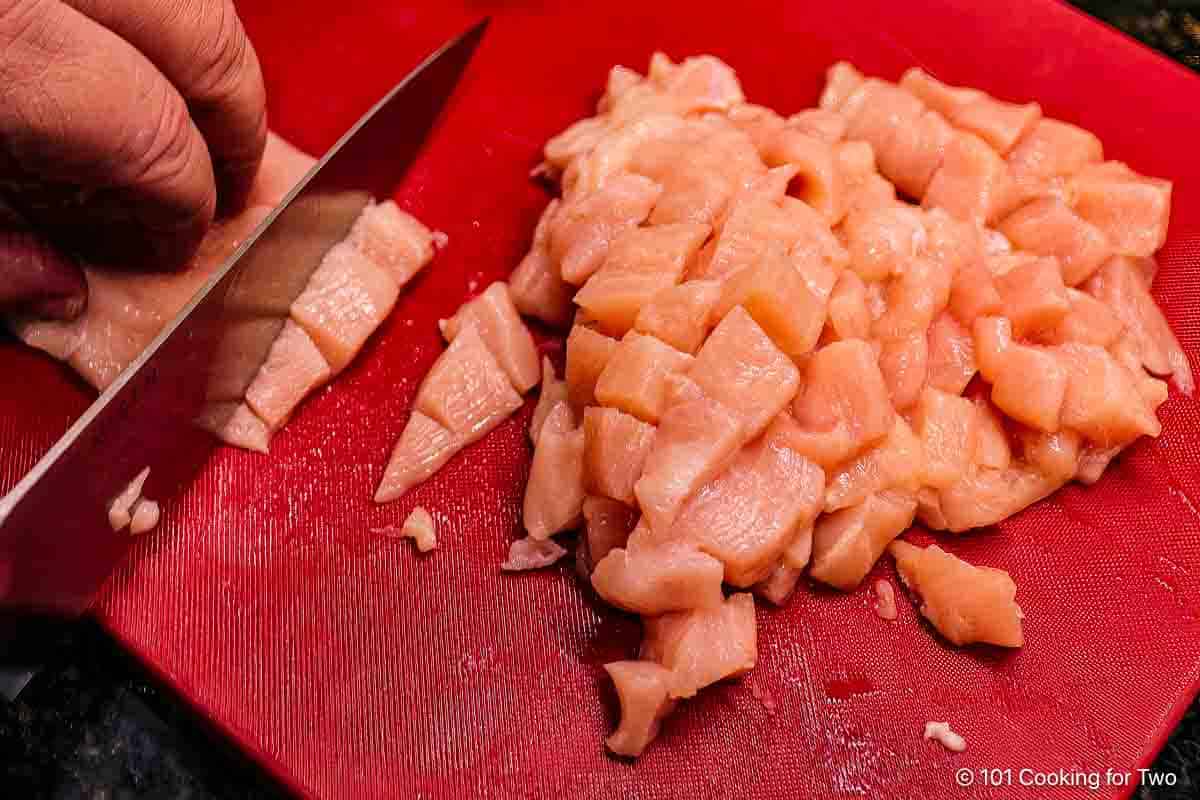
x=35 y=278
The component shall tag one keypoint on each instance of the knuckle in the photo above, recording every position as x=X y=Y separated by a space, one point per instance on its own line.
x=222 y=52
x=159 y=152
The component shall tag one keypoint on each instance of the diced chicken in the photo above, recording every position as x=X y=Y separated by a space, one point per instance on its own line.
x=702 y=83
x=345 y=301
x=694 y=442
x=847 y=543
x=947 y=426
x=643 y=689
x=951 y=355
x=843 y=386
x=820 y=123
x=914 y=298
x=588 y=353
x=703 y=646
x=1049 y=227
x=913 y=154
x=777 y=296
x=876 y=112
x=529 y=553
x=754 y=221
x=881 y=240
x=582 y=231
x=1088 y=322
x=1093 y=461
x=641 y=262
x=1030 y=386
x=904 y=364
x=849 y=317
x=466 y=390
x=841 y=81
x=420 y=527
x=536 y=286
x=499 y=325
x=608 y=524
x=658 y=577
x=896 y=463
x=243 y=347
x=758 y=122
x=973 y=293
x=634 y=379
x=393 y=240
x=1051 y=149
x=973 y=182
x=1131 y=209
x=146 y=514
x=943 y=735
x=747 y=515
x=987 y=496
x=1034 y=296
x=577 y=140
x=554 y=493
x=424 y=447
x=680 y=315
x=998 y=123
x=553 y=392
x=615 y=449
x=818 y=181
x=966 y=604
x=1055 y=455
x=740 y=367
x=1119 y=285
x=992 y=450
x=120 y=510
x=1102 y=400
x=885 y=600
x=235 y=424
x=865 y=188
x=944 y=99
x=294 y=367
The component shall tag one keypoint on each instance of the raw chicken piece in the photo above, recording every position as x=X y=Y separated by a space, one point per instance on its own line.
x=703 y=646
x=643 y=689
x=818 y=181
x=120 y=510
x=345 y=301
x=680 y=315
x=554 y=493
x=746 y=516
x=848 y=315
x=880 y=240
x=847 y=543
x=973 y=183
x=758 y=122
x=146 y=514
x=294 y=367
x=740 y=367
x=951 y=355
x=634 y=379
x=776 y=295
x=393 y=240
x=876 y=112
x=799 y=552
x=828 y=448
x=914 y=152
x=1049 y=227
x=582 y=230
x=614 y=452
x=885 y=600
x=844 y=386
x=240 y=352
x=1034 y=296
x=1051 y=149
x=973 y=293
x=1030 y=387
x=947 y=426
x=778 y=586
x=992 y=450
x=658 y=577
x=423 y=448
x=529 y=553
x=987 y=496
x=1102 y=400
x=896 y=463
x=998 y=123
x=1088 y=322
x=466 y=390
x=914 y=297
x=993 y=339
x=553 y=392
x=941 y=733
x=694 y=442
x=944 y=99
x=865 y=188
x=1093 y=461
x=841 y=81
x=1119 y=285
x=1132 y=210
x=824 y=124
x=419 y=527
x=753 y=221
x=966 y=604
x=702 y=83
x=577 y=140
x=904 y=364
x=641 y=262
x=608 y=525
x=235 y=424
x=536 y=287
x=588 y=353
x=1055 y=455
x=495 y=318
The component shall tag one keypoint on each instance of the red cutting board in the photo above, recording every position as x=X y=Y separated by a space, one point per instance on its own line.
x=351 y=667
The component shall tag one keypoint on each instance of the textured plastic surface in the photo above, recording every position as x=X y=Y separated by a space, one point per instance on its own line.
x=355 y=668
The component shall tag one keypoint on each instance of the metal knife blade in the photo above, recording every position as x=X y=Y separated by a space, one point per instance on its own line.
x=56 y=545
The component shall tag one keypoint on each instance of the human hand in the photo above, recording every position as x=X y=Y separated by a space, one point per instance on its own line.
x=125 y=126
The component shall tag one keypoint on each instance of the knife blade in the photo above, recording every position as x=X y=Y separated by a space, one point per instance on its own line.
x=56 y=545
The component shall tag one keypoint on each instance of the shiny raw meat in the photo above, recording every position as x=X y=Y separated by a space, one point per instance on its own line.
x=634 y=378
x=608 y=524
x=588 y=352
x=536 y=286
x=643 y=689
x=529 y=553
x=1132 y=210
x=966 y=604
x=1049 y=227
x=1051 y=149
x=393 y=240
x=843 y=387
x=554 y=493
x=680 y=315
x=553 y=392
x=847 y=543
x=703 y=646
x=294 y=367
x=423 y=448
x=655 y=578
x=495 y=317
x=614 y=452
x=583 y=230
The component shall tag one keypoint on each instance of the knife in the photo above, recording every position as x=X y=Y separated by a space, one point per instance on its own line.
x=56 y=545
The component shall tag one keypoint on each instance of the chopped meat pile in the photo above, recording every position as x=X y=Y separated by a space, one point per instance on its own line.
x=792 y=337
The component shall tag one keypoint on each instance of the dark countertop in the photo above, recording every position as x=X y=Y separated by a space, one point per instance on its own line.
x=94 y=724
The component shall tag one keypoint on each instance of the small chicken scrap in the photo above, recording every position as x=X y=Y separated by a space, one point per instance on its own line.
x=131 y=510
